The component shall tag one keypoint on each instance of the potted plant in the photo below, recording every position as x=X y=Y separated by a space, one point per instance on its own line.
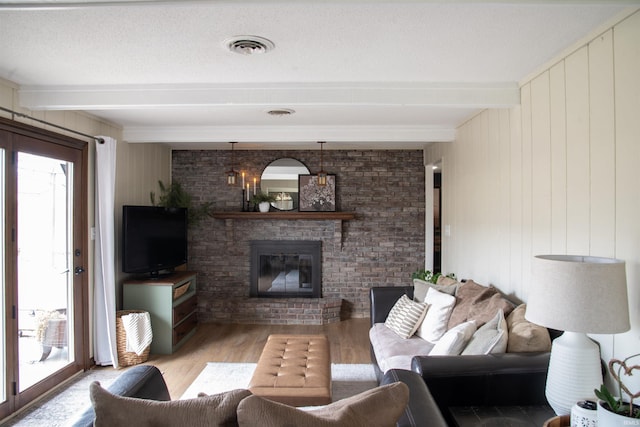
x=263 y=200
x=429 y=276
x=615 y=411
x=174 y=196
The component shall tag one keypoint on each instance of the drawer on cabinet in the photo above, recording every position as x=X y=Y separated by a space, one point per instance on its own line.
x=184 y=309
x=183 y=329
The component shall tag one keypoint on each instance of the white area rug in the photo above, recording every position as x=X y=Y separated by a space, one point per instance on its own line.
x=347 y=379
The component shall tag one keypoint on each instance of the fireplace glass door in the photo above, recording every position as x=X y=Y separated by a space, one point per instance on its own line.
x=290 y=273
x=285 y=268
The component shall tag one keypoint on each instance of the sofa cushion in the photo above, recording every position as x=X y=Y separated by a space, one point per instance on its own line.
x=405 y=316
x=479 y=303
x=447 y=281
x=525 y=336
x=391 y=351
x=381 y=406
x=454 y=340
x=420 y=288
x=489 y=338
x=435 y=321
x=215 y=410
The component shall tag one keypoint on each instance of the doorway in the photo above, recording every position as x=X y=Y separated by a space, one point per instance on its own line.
x=437 y=219
x=433 y=217
x=43 y=187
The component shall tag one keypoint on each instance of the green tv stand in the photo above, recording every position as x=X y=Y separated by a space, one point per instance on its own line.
x=172 y=305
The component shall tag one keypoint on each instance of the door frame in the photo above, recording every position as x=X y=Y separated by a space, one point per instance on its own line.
x=13 y=130
x=429 y=221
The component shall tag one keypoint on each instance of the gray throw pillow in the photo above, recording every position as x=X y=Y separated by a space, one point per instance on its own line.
x=216 y=410
x=378 y=407
x=420 y=288
x=489 y=338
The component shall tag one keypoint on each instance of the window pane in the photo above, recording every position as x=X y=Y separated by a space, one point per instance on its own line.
x=44 y=237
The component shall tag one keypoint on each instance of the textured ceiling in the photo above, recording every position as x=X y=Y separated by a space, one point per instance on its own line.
x=376 y=73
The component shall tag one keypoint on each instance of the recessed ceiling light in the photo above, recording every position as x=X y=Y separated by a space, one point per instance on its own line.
x=280 y=112
x=249 y=45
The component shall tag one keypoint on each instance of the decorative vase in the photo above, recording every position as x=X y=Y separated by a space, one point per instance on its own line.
x=264 y=206
x=606 y=418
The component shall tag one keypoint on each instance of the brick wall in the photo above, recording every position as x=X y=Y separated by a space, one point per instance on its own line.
x=383 y=245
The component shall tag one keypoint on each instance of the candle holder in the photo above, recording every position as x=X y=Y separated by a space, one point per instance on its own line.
x=245 y=202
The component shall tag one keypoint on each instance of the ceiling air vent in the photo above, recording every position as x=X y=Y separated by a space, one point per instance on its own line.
x=279 y=112
x=249 y=45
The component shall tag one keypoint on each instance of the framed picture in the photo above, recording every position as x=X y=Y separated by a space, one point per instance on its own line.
x=314 y=198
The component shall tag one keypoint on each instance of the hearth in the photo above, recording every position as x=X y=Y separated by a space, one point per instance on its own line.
x=286 y=268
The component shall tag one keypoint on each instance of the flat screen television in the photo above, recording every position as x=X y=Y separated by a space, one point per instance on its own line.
x=154 y=239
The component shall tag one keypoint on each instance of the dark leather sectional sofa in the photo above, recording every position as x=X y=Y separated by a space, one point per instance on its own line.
x=437 y=383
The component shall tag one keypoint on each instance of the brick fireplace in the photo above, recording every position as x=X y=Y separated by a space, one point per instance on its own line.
x=382 y=245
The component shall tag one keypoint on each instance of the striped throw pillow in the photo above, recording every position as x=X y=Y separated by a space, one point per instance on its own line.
x=406 y=316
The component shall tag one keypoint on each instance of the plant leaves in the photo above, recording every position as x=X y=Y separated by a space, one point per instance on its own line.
x=174 y=196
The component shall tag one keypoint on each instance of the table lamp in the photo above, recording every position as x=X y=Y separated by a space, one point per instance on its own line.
x=578 y=295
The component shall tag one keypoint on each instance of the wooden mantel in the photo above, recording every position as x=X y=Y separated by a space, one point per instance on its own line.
x=286 y=215
x=336 y=217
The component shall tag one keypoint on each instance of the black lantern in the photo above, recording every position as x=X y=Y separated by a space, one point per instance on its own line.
x=322 y=174
x=232 y=174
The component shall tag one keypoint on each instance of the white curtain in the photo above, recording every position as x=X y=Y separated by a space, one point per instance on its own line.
x=104 y=321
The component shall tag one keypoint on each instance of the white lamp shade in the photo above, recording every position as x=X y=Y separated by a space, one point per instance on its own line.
x=579 y=294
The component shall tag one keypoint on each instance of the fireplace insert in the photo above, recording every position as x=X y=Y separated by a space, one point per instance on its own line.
x=286 y=268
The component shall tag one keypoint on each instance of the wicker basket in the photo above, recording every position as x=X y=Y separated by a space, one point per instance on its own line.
x=181 y=290
x=127 y=358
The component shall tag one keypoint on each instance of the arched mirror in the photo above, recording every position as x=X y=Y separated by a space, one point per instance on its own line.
x=280 y=179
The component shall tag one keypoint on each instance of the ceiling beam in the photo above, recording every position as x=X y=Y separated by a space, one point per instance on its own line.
x=463 y=95
x=398 y=137
x=55 y=4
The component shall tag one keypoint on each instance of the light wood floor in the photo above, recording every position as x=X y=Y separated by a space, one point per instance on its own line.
x=349 y=341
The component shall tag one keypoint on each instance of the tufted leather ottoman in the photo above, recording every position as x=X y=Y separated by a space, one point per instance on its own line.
x=295 y=370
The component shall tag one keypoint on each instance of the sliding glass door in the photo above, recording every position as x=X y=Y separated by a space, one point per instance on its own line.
x=43 y=272
x=45 y=266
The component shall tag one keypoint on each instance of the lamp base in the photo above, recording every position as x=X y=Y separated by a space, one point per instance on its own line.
x=574 y=371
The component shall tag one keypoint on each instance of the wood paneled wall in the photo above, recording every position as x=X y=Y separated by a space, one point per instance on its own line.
x=139 y=167
x=558 y=174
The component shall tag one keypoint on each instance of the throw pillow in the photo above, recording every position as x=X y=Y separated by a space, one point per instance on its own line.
x=479 y=303
x=456 y=339
x=420 y=288
x=490 y=337
x=435 y=321
x=486 y=310
x=405 y=316
x=525 y=336
x=378 y=407
x=447 y=281
x=215 y=410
